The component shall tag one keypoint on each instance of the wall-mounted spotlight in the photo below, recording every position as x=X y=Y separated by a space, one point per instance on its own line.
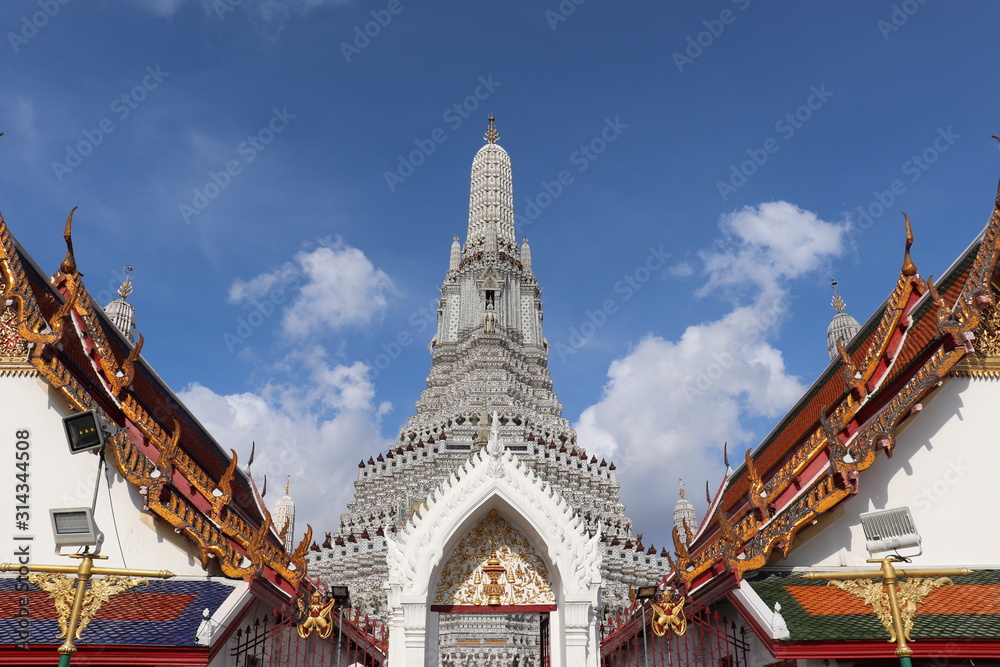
x=84 y=432
x=75 y=527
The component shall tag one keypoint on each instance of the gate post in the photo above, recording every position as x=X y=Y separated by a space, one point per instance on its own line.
x=580 y=633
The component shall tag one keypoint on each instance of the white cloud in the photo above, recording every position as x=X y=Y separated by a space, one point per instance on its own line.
x=312 y=426
x=313 y=417
x=668 y=406
x=268 y=16
x=337 y=286
x=681 y=270
x=774 y=242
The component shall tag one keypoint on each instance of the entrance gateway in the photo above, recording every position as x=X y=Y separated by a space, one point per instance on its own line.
x=494 y=538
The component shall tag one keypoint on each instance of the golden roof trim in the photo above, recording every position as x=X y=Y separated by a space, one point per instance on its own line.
x=975 y=366
x=222 y=533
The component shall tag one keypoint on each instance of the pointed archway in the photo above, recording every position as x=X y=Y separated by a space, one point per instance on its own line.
x=493 y=480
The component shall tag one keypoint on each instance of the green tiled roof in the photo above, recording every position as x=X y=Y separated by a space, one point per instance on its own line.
x=813 y=611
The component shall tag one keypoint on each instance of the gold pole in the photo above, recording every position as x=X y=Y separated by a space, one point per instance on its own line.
x=889 y=576
x=83 y=572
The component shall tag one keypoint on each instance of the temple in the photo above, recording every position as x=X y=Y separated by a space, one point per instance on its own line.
x=855 y=534
x=488 y=374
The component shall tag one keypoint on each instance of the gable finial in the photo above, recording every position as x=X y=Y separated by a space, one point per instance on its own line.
x=491 y=131
x=68 y=265
x=909 y=268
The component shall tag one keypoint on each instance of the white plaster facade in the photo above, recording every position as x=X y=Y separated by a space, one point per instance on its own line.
x=944 y=459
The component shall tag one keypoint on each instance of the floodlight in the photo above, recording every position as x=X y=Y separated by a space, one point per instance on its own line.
x=645 y=592
x=75 y=527
x=84 y=432
x=339 y=592
x=890 y=530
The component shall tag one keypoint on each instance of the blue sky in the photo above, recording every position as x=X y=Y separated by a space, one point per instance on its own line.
x=715 y=159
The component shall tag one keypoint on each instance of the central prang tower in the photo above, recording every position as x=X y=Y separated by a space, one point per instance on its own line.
x=489 y=352
x=488 y=356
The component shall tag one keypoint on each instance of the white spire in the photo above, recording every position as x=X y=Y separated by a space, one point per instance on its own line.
x=491 y=195
x=842 y=327
x=121 y=312
x=456 y=255
x=284 y=510
x=684 y=516
x=525 y=256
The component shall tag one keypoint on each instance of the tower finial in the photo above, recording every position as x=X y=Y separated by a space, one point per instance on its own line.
x=491 y=131
x=681 y=490
x=837 y=303
x=126 y=287
x=288 y=484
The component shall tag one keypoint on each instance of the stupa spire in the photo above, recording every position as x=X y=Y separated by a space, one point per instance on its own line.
x=121 y=312
x=842 y=327
x=284 y=516
x=491 y=194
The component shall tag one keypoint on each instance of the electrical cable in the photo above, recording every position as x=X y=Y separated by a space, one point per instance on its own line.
x=114 y=522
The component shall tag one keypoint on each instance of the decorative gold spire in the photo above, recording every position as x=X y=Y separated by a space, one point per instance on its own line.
x=909 y=268
x=288 y=484
x=837 y=303
x=126 y=287
x=491 y=131
x=681 y=489
x=68 y=265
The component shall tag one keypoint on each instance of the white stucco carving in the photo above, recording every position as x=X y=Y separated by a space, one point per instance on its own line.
x=494 y=479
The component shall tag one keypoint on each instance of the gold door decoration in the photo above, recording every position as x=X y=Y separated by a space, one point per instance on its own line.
x=472 y=573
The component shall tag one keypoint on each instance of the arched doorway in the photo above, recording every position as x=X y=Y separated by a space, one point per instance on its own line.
x=493 y=481
x=493 y=596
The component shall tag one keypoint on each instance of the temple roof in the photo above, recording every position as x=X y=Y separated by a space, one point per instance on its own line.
x=867 y=392
x=969 y=608
x=94 y=367
x=161 y=613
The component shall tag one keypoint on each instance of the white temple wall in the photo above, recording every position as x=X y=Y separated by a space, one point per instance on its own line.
x=60 y=479
x=943 y=468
